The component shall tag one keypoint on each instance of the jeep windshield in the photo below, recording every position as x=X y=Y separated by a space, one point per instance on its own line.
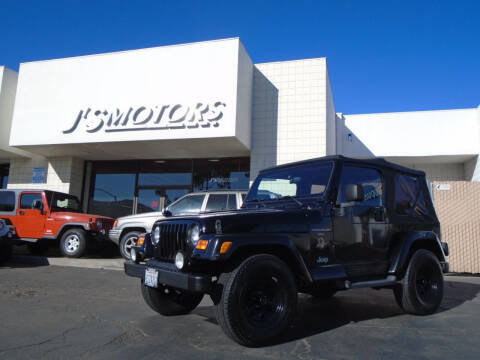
x=302 y=181
x=63 y=202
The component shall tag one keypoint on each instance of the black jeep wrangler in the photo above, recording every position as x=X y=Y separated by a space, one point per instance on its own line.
x=315 y=227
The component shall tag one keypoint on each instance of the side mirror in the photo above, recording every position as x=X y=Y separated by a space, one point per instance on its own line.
x=354 y=192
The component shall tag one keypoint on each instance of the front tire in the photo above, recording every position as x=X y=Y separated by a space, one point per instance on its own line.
x=128 y=240
x=258 y=300
x=73 y=243
x=169 y=301
x=421 y=290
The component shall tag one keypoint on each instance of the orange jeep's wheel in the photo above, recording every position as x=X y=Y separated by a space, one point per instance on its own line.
x=73 y=243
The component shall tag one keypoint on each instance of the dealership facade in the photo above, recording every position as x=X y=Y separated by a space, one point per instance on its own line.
x=129 y=132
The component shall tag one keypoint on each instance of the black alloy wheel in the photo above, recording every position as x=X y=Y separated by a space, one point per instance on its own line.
x=421 y=290
x=258 y=300
x=169 y=301
x=264 y=300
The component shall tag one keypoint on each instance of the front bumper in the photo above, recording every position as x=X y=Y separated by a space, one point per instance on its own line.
x=170 y=276
x=114 y=235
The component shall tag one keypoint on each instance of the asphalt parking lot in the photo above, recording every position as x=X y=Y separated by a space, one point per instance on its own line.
x=59 y=312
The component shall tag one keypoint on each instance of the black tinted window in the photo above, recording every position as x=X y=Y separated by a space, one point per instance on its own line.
x=27 y=201
x=409 y=196
x=7 y=200
x=371 y=181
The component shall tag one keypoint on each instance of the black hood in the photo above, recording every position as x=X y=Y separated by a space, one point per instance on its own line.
x=251 y=220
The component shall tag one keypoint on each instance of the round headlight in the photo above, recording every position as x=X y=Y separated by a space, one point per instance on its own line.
x=156 y=235
x=179 y=260
x=99 y=223
x=194 y=234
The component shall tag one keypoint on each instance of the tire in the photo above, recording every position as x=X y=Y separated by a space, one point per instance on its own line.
x=73 y=243
x=126 y=242
x=258 y=300
x=38 y=248
x=421 y=290
x=168 y=301
x=5 y=252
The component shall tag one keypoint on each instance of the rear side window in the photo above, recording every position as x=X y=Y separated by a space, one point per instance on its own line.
x=27 y=201
x=217 y=202
x=7 y=201
x=409 y=196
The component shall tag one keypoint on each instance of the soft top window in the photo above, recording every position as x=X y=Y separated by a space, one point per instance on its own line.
x=410 y=196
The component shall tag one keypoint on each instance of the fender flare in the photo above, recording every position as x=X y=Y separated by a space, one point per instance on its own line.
x=241 y=243
x=407 y=243
x=62 y=230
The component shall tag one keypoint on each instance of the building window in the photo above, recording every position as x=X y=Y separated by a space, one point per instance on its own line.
x=4 y=170
x=122 y=188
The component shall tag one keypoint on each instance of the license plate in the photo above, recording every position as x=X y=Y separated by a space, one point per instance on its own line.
x=151 y=277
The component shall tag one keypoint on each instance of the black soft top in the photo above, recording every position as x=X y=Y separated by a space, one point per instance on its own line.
x=379 y=162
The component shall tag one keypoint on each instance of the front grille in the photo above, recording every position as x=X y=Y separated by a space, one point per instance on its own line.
x=173 y=238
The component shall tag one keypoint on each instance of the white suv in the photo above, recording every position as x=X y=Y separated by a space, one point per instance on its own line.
x=126 y=229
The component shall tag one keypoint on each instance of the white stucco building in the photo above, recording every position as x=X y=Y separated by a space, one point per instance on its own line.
x=122 y=129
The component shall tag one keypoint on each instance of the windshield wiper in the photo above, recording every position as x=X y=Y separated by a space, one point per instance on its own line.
x=301 y=204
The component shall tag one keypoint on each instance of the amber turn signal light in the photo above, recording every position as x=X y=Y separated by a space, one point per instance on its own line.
x=140 y=240
x=225 y=247
x=115 y=223
x=202 y=244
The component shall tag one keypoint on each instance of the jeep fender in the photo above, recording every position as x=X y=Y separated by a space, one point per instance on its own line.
x=66 y=226
x=407 y=243
x=256 y=243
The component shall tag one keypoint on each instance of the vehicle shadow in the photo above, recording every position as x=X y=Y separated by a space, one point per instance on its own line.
x=316 y=316
x=22 y=257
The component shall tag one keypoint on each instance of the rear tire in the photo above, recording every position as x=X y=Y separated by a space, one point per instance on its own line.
x=128 y=240
x=169 y=301
x=258 y=300
x=73 y=243
x=421 y=290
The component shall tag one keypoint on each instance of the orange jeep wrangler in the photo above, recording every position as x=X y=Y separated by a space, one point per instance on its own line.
x=43 y=218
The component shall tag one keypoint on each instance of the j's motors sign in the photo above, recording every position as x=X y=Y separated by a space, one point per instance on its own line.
x=156 y=95
x=147 y=118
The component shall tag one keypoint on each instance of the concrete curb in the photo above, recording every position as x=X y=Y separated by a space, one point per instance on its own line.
x=104 y=264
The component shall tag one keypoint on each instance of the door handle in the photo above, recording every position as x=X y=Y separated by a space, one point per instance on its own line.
x=22 y=212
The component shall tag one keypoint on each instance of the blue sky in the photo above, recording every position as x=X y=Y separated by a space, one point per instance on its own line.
x=382 y=55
